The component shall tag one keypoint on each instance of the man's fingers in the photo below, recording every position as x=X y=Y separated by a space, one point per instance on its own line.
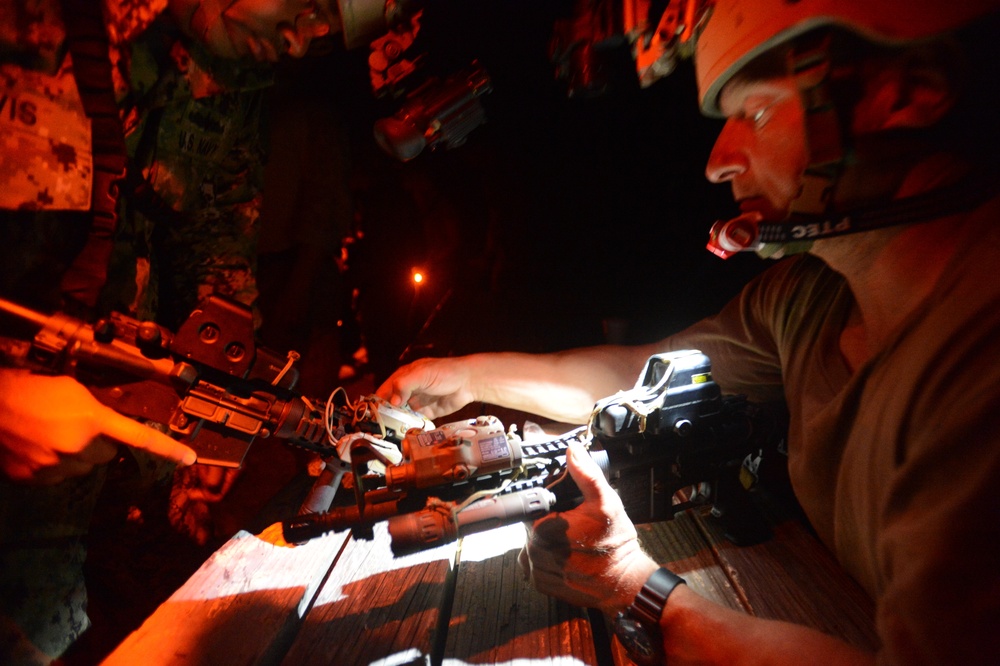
x=134 y=434
x=586 y=473
x=392 y=392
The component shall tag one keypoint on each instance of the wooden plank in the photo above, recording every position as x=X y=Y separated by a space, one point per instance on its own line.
x=243 y=606
x=680 y=545
x=791 y=576
x=376 y=609
x=498 y=618
x=794 y=577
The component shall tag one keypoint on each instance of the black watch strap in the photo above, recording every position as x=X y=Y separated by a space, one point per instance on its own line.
x=652 y=598
x=638 y=628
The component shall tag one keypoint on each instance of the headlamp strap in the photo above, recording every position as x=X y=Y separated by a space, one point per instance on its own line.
x=960 y=197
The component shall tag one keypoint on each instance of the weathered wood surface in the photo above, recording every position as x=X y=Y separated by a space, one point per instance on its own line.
x=681 y=545
x=793 y=576
x=374 y=609
x=343 y=601
x=243 y=606
x=498 y=618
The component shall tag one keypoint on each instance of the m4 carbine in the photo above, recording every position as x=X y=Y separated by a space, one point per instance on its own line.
x=210 y=383
x=673 y=432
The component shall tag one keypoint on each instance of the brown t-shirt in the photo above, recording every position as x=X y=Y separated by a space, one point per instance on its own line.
x=896 y=465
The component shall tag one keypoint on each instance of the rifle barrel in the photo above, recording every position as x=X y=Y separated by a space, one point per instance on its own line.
x=23 y=313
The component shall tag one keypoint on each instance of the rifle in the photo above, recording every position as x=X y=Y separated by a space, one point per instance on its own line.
x=673 y=432
x=209 y=383
x=217 y=391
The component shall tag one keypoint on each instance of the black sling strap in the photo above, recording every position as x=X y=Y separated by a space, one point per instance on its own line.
x=87 y=41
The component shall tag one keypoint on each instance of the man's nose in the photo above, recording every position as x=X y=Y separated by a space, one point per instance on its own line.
x=726 y=160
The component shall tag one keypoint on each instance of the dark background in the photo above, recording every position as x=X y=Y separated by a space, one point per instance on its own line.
x=558 y=216
x=561 y=222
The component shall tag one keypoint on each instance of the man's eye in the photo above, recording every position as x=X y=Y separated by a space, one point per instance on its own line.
x=759 y=116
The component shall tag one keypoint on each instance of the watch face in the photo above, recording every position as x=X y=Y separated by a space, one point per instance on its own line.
x=637 y=641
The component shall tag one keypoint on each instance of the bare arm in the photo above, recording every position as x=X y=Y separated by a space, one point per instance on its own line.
x=562 y=386
x=590 y=556
x=697 y=630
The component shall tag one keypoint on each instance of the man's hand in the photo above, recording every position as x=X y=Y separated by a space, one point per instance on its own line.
x=589 y=556
x=434 y=387
x=51 y=429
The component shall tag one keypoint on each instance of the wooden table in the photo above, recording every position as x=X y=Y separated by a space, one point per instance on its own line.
x=341 y=601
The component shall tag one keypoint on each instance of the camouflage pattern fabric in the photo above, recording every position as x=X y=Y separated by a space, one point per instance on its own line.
x=33 y=32
x=42 y=553
x=45 y=149
x=43 y=547
x=194 y=128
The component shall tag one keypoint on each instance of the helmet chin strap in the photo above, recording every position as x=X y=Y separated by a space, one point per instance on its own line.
x=750 y=233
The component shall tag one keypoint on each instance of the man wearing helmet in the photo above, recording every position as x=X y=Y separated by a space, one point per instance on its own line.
x=855 y=142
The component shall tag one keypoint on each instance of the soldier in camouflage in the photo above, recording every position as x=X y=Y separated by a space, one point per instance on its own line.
x=188 y=78
x=195 y=135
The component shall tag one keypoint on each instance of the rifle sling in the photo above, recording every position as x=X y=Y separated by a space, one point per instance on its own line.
x=87 y=40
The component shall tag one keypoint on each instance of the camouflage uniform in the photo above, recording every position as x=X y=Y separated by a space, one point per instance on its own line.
x=195 y=132
x=194 y=129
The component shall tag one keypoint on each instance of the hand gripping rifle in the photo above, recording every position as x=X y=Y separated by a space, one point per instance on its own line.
x=674 y=431
x=209 y=383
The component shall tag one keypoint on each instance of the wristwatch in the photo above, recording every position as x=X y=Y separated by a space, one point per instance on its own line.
x=638 y=628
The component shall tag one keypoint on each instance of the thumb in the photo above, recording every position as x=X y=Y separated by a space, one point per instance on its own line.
x=587 y=474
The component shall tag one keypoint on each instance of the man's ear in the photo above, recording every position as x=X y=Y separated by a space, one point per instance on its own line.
x=926 y=89
x=912 y=90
